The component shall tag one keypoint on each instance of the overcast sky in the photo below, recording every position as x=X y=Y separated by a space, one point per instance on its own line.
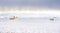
x=37 y=3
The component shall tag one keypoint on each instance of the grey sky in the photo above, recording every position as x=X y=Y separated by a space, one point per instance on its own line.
x=37 y=3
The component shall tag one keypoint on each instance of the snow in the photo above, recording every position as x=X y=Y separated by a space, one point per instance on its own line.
x=30 y=22
x=29 y=25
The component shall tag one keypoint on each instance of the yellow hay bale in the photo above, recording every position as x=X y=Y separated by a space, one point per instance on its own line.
x=13 y=18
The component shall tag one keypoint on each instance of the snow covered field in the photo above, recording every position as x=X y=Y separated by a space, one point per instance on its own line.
x=30 y=23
